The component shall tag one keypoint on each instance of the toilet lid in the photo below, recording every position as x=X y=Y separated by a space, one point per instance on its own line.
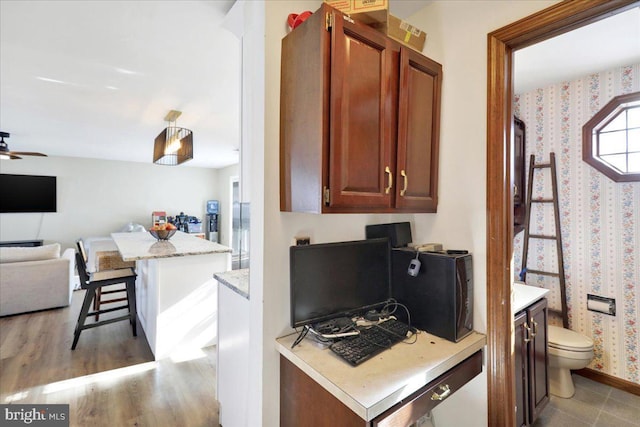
x=566 y=339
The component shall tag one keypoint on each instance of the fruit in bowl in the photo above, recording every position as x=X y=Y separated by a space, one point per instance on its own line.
x=163 y=231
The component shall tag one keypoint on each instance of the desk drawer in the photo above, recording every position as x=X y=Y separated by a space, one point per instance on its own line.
x=410 y=409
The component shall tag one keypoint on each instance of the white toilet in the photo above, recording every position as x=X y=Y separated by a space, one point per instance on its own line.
x=567 y=350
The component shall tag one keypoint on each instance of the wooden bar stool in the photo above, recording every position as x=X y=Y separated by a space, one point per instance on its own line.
x=105 y=261
x=91 y=283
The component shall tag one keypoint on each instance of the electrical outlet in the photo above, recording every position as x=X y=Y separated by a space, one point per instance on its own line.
x=302 y=240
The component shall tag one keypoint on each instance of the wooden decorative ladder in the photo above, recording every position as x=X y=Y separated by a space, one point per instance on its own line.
x=557 y=237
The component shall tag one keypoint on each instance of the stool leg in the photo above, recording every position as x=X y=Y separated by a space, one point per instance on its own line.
x=89 y=296
x=131 y=296
x=96 y=302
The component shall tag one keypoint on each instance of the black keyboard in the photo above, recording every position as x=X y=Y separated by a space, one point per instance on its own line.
x=370 y=341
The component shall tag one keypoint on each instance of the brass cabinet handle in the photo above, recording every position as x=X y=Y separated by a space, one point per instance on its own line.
x=515 y=190
x=535 y=328
x=388 y=172
x=445 y=392
x=406 y=182
x=528 y=335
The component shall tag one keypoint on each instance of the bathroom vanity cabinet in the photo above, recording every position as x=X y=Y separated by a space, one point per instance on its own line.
x=359 y=120
x=531 y=359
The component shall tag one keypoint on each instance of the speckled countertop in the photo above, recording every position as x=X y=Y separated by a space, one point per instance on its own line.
x=236 y=280
x=384 y=380
x=142 y=245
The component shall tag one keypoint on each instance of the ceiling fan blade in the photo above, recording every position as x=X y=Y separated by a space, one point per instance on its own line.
x=27 y=153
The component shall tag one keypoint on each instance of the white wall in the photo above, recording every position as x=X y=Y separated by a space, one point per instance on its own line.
x=457 y=34
x=98 y=197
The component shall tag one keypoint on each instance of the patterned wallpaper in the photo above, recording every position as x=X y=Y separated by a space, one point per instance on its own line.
x=599 y=218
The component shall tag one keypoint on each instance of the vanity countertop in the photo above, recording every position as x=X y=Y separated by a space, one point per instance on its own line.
x=523 y=295
x=236 y=280
x=142 y=245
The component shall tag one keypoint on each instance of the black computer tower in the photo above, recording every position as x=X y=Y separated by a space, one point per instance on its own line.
x=440 y=296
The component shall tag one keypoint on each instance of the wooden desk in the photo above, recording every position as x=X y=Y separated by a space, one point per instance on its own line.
x=395 y=388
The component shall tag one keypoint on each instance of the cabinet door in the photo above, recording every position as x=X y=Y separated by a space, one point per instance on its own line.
x=521 y=368
x=538 y=358
x=362 y=119
x=418 y=132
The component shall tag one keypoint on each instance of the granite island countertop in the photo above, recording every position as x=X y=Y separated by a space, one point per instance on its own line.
x=236 y=280
x=142 y=245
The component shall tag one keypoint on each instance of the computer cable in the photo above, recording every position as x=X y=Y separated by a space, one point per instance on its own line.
x=301 y=336
x=388 y=312
x=404 y=338
x=392 y=302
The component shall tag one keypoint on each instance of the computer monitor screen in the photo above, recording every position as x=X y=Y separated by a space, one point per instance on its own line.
x=333 y=279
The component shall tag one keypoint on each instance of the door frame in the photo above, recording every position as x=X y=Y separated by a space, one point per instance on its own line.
x=555 y=20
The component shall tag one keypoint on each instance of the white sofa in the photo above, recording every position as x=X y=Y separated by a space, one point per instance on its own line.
x=35 y=278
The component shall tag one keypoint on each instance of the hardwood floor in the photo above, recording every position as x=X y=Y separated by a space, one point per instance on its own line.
x=109 y=380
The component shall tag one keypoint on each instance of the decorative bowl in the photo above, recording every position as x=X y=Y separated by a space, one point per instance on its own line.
x=162 y=234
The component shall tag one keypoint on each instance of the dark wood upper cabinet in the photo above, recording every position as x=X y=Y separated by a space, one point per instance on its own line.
x=359 y=120
x=519 y=197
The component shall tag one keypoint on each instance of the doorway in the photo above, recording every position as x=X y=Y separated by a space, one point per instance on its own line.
x=545 y=24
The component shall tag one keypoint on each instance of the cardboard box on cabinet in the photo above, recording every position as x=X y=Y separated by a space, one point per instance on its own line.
x=365 y=11
x=401 y=31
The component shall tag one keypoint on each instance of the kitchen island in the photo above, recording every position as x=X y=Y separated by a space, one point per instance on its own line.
x=176 y=294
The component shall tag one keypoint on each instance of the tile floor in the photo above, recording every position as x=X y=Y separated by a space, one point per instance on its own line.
x=594 y=404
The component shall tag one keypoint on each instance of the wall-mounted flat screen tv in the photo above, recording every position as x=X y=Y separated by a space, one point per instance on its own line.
x=27 y=193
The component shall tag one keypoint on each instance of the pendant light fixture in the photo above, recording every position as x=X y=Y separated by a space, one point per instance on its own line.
x=174 y=145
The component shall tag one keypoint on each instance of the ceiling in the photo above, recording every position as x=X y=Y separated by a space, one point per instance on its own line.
x=96 y=78
x=603 y=45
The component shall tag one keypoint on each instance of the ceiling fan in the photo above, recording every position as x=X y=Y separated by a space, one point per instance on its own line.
x=5 y=153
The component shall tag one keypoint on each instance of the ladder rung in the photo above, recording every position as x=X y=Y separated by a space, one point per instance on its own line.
x=540 y=236
x=542 y=165
x=542 y=273
x=542 y=201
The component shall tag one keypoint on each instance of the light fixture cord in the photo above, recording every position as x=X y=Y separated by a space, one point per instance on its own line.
x=40 y=226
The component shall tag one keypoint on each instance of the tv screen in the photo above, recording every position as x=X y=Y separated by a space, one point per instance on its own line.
x=334 y=279
x=27 y=193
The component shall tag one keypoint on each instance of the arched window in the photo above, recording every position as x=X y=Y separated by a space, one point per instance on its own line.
x=611 y=139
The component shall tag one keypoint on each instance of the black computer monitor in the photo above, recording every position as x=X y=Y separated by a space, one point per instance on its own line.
x=336 y=279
